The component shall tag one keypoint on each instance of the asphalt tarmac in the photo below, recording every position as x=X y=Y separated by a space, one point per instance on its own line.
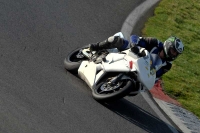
x=37 y=95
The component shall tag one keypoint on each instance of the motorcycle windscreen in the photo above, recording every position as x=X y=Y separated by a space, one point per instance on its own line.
x=145 y=76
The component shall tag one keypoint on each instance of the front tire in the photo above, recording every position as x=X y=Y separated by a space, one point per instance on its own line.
x=105 y=92
x=74 y=59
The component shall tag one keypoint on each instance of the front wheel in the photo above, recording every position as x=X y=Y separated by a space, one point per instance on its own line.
x=74 y=59
x=107 y=92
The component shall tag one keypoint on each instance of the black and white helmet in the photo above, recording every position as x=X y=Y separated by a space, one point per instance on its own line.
x=173 y=47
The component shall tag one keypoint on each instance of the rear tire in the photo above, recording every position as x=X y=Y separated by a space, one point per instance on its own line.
x=74 y=59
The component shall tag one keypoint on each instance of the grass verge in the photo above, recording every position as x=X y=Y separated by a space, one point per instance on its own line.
x=180 y=18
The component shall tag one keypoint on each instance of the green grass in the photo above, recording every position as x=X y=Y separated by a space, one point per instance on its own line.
x=182 y=19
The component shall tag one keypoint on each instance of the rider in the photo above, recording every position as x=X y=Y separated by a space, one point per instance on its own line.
x=168 y=51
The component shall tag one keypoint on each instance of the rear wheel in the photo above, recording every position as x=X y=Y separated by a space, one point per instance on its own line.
x=74 y=59
x=105 y=91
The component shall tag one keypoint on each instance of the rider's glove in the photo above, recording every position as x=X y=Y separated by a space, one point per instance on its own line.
x=138 y=51
x=135 y=49
x=142 y=54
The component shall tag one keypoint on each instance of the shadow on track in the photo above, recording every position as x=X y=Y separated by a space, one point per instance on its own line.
x=138 y=116
x=131 y=112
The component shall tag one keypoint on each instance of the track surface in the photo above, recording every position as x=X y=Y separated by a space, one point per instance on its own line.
x=37 y=95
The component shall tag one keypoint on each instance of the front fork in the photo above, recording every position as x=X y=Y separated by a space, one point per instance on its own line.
x=122 y=76
x=116 y=79
x=137 y=85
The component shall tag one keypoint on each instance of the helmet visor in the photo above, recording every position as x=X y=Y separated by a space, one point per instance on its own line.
x=173 y=53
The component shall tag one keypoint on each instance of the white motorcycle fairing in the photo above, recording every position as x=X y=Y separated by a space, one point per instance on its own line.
x=126 y=61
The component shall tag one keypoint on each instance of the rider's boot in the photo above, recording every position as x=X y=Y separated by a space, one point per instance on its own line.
x=111 y=42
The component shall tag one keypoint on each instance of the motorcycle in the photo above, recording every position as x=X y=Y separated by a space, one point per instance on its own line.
x=113 y=74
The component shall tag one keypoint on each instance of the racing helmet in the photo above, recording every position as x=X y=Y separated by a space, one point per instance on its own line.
x=173 y=47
